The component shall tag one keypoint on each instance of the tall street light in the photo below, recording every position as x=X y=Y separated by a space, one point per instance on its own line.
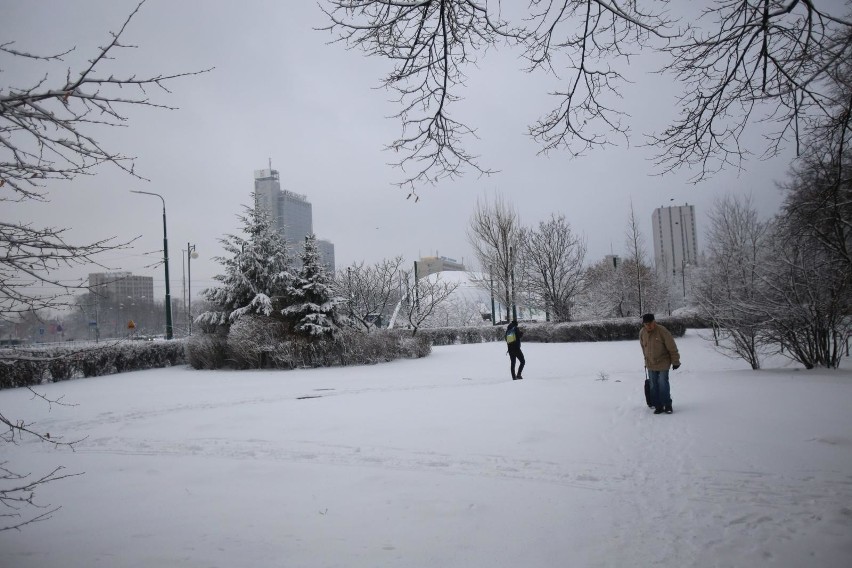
x=169 y=333
x=190 y=254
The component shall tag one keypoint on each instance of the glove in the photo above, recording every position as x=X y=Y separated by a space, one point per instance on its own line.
x=676 y=367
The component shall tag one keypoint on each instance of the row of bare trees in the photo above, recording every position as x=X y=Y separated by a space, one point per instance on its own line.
x=544 y=267
x=386 y=293
x=783 y=284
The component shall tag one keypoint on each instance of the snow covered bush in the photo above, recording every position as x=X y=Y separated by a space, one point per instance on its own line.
x=21 y=373
x=264 y=343
x=207 y=350
x=349 y=347
x=253 y=340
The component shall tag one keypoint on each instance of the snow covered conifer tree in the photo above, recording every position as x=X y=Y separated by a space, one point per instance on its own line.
x=258 y=271
x=314 y=309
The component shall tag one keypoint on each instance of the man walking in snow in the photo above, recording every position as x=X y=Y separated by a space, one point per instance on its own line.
x=660 y=351
x=513 y=340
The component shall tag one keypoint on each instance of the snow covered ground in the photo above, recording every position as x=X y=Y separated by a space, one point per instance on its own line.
x=446 y=462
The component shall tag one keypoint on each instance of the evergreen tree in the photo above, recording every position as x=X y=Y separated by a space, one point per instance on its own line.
x=258 y=271
x=313 y=309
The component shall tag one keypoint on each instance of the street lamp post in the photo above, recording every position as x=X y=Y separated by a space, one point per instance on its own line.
x=169 y=333
x=514 y=305
x=190 y=254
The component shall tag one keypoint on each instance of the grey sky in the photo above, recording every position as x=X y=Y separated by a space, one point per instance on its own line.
x=280 y=92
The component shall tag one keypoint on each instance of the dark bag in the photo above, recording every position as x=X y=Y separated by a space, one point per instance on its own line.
x=648 y=400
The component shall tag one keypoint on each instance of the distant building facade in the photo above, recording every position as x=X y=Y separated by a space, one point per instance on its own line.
x=613 y=260
x=291 y=213
x=675 y=241
x=121 y=304
x=326 y=251
x=122 y=287
x=431 y=264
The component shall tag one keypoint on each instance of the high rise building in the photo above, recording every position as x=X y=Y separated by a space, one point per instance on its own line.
x=675 y=241
x=291 y=213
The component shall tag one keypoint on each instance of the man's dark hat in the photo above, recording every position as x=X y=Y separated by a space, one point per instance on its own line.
x=647 y=318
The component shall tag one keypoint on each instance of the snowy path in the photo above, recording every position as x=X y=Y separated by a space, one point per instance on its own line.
x=444 y=461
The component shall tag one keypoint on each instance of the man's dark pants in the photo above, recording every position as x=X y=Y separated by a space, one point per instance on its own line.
x=660 y=389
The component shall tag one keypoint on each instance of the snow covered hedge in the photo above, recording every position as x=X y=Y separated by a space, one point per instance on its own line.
x=255 y=342
x=598 y=330
x=26 y=367
x=462 y=335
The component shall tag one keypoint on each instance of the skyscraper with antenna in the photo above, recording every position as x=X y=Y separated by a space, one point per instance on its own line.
x=291 y=213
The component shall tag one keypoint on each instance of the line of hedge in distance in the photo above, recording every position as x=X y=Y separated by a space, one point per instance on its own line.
x=623 y=329
x=22 y=367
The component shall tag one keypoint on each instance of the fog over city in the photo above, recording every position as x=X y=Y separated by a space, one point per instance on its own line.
x=280 y=94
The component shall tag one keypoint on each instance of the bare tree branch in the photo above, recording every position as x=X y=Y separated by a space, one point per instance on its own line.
x=17 y=491
x=591 y=35
x=41 y=128
x=30 y=255
x=763 y=61
x=47 y=134
x=430 y=42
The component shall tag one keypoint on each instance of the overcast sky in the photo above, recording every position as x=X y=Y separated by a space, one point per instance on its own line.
x=279 y=91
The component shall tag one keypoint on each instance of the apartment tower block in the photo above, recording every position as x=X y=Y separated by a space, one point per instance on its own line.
x=675 y=241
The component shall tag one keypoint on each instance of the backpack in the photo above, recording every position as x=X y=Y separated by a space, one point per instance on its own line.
x=511 y=335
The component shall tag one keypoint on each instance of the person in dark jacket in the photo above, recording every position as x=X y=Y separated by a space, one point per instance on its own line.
x=660 y=351
x=513 y=340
